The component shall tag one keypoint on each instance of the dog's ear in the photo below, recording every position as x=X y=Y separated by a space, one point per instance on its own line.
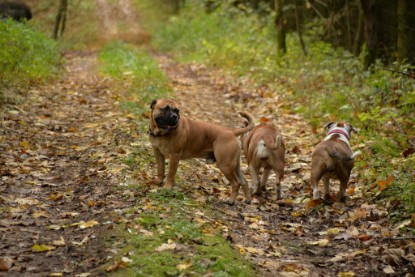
x=328 y=125
x=353 y=129
x=153 y=103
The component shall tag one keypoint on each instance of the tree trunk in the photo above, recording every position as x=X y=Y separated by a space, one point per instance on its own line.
x=358 y=40
x=279 y=24
x=368 y=7
x=406 y=31
x=60 y=19
x=298 y=27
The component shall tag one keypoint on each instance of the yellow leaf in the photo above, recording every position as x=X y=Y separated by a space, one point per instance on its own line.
x=25 y=144
x=333 y=231
x=184 y=266
x=42 y=248
x=346 y=274
x=56 y=274
x=88 y=224
x=60 y=242
x=40 y=214
x=321 y=243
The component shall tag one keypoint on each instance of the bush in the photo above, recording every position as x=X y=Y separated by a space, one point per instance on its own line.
x=27 y=56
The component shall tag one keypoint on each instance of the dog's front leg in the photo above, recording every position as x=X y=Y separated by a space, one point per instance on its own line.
x=173 y=165
x=160 y=161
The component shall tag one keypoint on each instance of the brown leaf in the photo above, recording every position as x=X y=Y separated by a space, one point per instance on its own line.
x=6 y=263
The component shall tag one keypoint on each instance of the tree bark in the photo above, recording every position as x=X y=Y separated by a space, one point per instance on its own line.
x=298 y=27
x=279 y=24
x=60 y=19
x=406 y=31
x=358 y=40
x=368 y=7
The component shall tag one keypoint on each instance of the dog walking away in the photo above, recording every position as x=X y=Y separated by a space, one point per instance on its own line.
x=264 y=148
x=333 y=159
x=176 y=138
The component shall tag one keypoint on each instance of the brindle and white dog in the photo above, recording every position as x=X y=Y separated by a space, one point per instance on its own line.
x=333 y=159
x=176 y=138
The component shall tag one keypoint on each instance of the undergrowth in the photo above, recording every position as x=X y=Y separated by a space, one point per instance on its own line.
x=28 y=57
x=326 y=85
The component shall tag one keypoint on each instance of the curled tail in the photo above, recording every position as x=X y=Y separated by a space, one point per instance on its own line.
x=344 y=158
x=248 y=127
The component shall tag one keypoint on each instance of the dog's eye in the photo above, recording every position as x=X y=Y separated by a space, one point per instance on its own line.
x=175 y=110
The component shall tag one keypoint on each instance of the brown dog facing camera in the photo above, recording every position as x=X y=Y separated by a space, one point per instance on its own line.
x=333 y=159
x=264 y=148
x=176 y=138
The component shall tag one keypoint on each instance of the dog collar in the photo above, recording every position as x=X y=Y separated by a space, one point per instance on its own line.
x=152 y=134
x=338 y=131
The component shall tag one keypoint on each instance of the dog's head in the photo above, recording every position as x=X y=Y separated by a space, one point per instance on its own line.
x=164 y=117
x=332 y=127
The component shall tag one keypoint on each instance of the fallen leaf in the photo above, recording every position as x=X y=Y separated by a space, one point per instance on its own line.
x=56 y=274
x=184 y=266
x=166 y=246
x=60 y=242
x=42 y=248
x=320 y=243
x=346 y=274
x=6 y=263
x=388 y=270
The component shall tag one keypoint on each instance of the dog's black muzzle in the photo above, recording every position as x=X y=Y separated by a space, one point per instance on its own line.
x=168 y=121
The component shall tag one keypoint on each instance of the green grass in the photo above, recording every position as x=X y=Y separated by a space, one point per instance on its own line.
x=168 y=218
x=133 y=66
x=328 y=84
x=28 y=57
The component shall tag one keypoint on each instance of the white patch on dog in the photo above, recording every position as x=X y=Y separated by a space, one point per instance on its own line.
x=341 y=136
x=261 y=150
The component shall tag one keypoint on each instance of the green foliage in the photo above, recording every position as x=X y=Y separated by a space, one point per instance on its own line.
x=327 y=84
x=27 y=56
x=130 y=65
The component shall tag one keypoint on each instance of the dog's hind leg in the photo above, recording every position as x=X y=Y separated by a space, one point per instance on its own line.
x=264 y=179
x=326 y=183
x=243 y=183
x=253 y=170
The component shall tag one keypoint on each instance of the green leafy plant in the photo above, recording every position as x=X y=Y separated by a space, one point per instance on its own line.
x=27 y=56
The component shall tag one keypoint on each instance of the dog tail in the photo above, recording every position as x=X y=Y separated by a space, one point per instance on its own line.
x=273 y=143
x=250 y=124
x=344 y=158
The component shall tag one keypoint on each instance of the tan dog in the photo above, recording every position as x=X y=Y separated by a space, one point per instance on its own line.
x=264 y=148
x=333 y=159
x=176 y=138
